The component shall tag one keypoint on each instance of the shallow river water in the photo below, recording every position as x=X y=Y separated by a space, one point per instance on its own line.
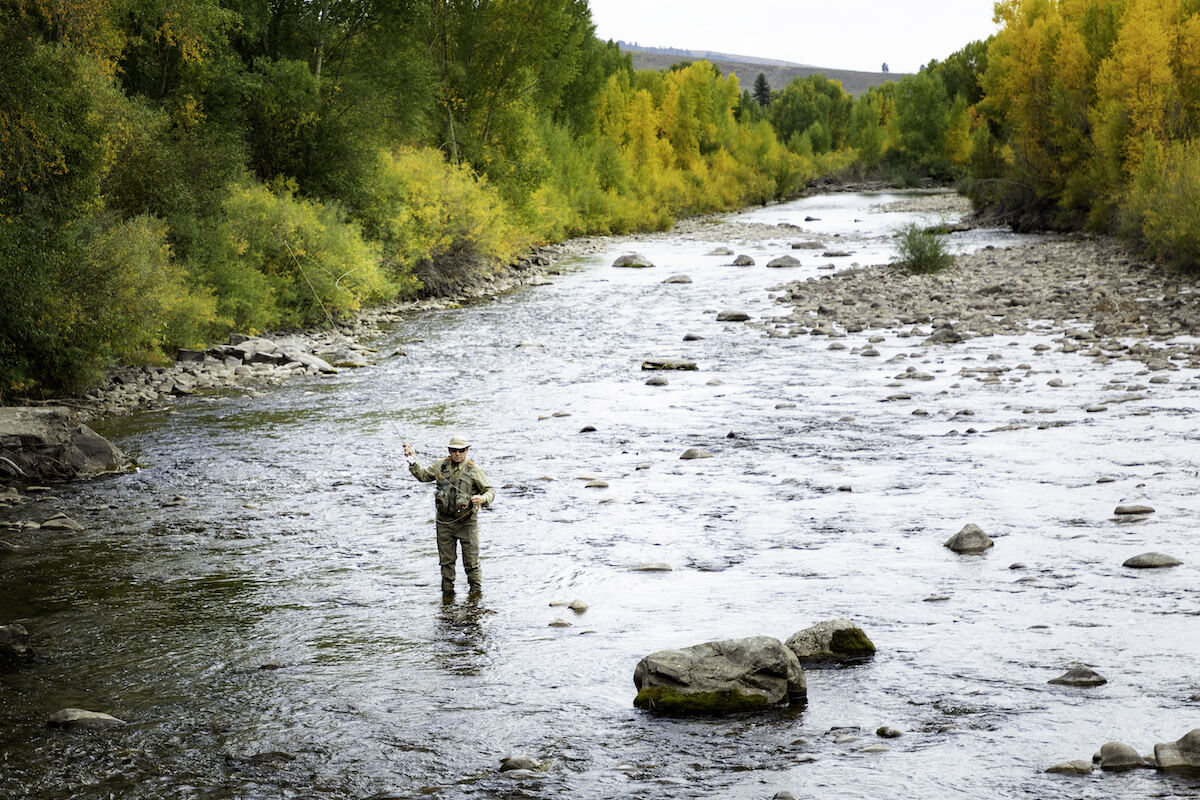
x=281 y=633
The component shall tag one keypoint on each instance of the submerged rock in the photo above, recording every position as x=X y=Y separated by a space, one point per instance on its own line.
x=1152 y=561
x=656 y=566
x=971 y=540
x=80 y=718
x=732 y=316
x=61 y=522
x=693 y=453
x=1079 y=675
x=633 y=261
x=683 y=364
x=720 y=677
x=678 y=279
x=836 y=640
x=14 y=643
x=1078 y=767
x=743 y=261
x=509 y=763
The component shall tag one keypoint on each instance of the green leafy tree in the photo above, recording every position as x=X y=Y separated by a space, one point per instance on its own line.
x=808 y=102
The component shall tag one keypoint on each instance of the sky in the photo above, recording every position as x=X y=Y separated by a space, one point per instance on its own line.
x=835 y=34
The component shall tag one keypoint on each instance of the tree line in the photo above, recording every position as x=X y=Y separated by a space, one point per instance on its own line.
x=173 y=170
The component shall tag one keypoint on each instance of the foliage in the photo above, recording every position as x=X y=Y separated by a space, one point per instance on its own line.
x=172 y=171
x=1163 y=211
x=434 y=221
x=762 y=90
x=922 y=250
x=812 y=114
x=277 y=260
x=1092 y=107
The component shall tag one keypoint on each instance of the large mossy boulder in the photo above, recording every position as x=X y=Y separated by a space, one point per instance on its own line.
x=721 y=677
x=836 y=641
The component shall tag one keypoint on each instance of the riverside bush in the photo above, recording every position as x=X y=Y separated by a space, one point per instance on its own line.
x=922 y=250
x=277 y=260
x=437 y=224
x=1163 y=211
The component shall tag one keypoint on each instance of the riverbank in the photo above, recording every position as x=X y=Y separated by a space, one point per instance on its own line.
x=1091 y=292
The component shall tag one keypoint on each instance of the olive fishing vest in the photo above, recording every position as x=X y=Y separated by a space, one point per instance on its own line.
x=453 y=494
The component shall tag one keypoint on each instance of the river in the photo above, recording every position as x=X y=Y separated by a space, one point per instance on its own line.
x=279 y=633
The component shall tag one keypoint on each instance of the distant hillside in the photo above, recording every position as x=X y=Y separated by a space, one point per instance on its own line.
x=778 y=73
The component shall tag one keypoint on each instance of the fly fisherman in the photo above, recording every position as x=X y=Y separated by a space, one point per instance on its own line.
x=461 y=489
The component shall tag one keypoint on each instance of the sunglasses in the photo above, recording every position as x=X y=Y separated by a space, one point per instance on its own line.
x=457 y=449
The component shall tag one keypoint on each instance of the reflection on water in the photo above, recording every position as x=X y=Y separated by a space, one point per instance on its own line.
x=280 y=632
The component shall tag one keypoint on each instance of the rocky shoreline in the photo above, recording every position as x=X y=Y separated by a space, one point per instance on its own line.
x=1090 y=293
x=272 y=358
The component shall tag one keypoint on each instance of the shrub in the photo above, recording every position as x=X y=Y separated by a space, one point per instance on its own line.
x=1163 y=209
x=435 y=220
x=922 y=250
x=277 y=260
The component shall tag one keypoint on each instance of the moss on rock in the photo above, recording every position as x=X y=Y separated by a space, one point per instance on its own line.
x=851 y=642
x=671 y=701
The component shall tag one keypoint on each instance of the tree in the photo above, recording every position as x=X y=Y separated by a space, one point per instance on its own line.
x=762 y=90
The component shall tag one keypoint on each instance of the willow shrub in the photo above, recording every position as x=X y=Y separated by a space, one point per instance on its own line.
x=277 y=260
x=437 y=224
x=1162 y=212
x=922 y=250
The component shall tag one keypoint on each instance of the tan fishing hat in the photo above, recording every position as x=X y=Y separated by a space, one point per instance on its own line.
x=458 y=442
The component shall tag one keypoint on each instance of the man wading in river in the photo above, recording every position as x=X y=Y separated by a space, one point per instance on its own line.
x=461 y=489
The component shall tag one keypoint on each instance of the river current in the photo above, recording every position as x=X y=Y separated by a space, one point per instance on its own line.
x=279 y=633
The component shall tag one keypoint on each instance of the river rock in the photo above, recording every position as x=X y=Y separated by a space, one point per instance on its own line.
x=1132 y=510
x=720 y=251
x=693 y=453
x=720 y=677
x=42 y=444
x=657 y=380
x=1181 y=757
x=1079 y=675
x=80 y=718
x=14 y=643
x=1077 y=767
x=656 y=566
x=509 y=763
x=888 y=732
x=835 y=640
x=61 y=522
x=944 y=336
x=970 y=540
x=633 y=261
x=1152 y=561
x=678 y=279
x=784 y=262
x=733 y=316
x=743 y=261
x=683 y=364
x=1119 y=757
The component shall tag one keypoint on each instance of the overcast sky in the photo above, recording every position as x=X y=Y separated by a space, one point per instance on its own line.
x=837 y=34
